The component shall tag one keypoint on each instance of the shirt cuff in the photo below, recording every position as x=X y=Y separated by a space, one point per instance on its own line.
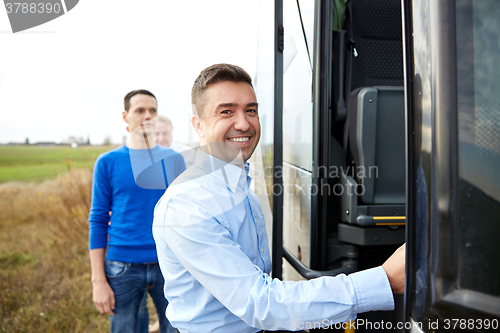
x=98 y=241
x=373 y=290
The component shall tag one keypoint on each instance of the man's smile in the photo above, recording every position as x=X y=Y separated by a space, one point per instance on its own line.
x=240 y=139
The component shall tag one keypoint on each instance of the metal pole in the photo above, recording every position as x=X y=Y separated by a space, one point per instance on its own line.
x=277 y=246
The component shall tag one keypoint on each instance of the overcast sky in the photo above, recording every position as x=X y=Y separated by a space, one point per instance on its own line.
x=68 y=77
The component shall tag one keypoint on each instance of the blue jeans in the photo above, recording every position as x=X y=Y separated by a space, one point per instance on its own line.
x=129 y=283
x=143 y=315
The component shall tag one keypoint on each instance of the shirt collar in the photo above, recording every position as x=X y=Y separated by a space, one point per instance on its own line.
x=214 y=166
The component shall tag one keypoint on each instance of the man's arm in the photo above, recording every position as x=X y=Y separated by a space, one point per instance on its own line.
x=395 y=269
x=207 y=250
x=103 y=295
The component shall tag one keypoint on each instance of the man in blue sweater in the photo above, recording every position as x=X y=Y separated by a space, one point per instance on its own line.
x=128 y=181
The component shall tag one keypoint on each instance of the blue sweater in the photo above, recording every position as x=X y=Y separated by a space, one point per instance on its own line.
x=129 y=183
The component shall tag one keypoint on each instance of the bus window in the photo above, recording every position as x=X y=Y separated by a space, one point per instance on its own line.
x=298 y=19
x=478 y=50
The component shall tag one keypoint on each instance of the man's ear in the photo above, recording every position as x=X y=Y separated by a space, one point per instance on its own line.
x=124 y=117
x=196 y=121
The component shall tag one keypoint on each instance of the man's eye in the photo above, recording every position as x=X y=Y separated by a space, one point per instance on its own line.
x=252 y=110
x=153 y=111
x=226 y=112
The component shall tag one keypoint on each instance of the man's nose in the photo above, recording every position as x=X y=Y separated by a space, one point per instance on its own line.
x=150 y=115
x=241 y=122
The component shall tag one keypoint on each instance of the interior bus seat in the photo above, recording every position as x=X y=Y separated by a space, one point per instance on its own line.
x=368 y=74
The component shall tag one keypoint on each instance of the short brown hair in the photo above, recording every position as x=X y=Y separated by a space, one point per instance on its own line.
x=126 y=100
x=214 y=74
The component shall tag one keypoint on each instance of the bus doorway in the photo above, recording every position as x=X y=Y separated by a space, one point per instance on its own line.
x=416 y=101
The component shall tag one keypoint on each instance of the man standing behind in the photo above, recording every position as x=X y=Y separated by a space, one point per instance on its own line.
x=212 y=242
x=163 y=132
x=121 y=185
x=163 y=137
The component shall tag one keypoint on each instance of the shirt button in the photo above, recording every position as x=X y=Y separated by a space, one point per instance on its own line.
x=243 y=173
x=232 y=186
x=263 y=250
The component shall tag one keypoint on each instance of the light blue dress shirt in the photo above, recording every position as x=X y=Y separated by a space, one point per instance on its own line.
x=213 y=252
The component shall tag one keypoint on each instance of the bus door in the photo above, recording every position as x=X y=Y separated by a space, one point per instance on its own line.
x=453 y=273
x=342 y=127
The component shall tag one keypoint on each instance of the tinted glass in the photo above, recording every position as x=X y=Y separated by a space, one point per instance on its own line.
x=297 y=90
x=478 y=73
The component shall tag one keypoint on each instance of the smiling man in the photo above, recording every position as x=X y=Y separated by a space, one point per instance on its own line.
x=212 y=242
x=227 y=120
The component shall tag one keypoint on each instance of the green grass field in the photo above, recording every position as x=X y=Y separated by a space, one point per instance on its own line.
x=34 y=164
x=45 y=275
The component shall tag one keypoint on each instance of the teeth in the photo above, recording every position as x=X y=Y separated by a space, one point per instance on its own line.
x=239 y=139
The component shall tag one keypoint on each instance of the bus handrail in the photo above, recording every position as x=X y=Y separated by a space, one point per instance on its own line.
x=308 y=273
